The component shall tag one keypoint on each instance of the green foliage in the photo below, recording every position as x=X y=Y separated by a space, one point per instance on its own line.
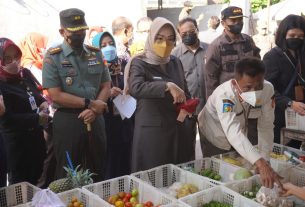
x=257 y=5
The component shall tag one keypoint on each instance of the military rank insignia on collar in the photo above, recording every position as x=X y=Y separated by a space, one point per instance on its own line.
x=227 y=105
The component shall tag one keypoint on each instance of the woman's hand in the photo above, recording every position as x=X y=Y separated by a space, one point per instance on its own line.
x=44 y=107
x=298 y=107
x=176 y=92
x=115 y=91
x=2 y=106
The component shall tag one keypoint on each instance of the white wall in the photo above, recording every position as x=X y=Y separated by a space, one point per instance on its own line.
x=18 y=17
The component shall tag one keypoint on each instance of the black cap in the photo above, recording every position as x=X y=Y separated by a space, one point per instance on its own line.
x=73 y=19
x=231 y=12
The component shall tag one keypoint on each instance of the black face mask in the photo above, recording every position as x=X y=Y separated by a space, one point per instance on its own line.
x=76 y=40
x=236 y=28
x=294 y=43
x=190 y=39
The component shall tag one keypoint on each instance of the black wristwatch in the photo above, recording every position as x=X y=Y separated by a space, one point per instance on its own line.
x=87 y=103
x=289 y=104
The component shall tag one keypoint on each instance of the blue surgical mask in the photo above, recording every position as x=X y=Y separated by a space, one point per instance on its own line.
x=109 y=53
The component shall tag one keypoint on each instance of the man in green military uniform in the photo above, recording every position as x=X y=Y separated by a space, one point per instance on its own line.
x=79 y=84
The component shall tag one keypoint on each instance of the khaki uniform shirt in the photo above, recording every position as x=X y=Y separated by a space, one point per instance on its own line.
x=222 y=54
x=223 y=121
x=79 y=75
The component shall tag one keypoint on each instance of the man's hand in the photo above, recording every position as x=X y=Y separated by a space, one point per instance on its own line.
x=268 y=176
x=43 y=118
x=98 y=106
x=87 y=115
x=176 y=92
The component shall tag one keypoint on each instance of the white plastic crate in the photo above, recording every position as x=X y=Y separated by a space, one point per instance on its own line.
x=111 y=187
x=294 y=175
x=241 y=186
x=17 y=194
x=277 y=165
x=220 y=194
x=218 y=166
x=86 y=198
x=166 y=175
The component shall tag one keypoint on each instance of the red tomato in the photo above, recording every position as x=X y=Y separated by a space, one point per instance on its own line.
x=128 y=196
x=128 y=204
x=125 y=200
x=149 y=204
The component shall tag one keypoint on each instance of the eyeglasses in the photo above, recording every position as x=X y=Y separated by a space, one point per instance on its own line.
x=183 y=34
x=160 y=38
x=10 y=59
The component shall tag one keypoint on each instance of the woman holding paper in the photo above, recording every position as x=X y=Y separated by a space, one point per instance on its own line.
x=119 y=132
x=157 y=82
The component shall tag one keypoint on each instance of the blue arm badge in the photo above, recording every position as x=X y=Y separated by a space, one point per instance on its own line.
x=227 y=105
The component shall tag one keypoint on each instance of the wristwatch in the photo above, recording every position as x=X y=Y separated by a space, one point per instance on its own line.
x=289 y=104
x=87 y=103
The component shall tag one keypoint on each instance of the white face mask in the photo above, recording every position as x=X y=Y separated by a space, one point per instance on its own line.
x=252 y=97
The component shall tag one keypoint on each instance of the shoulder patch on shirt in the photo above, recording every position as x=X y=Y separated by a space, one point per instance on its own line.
x=227 y=105
x=54 y=50
x=91 y=48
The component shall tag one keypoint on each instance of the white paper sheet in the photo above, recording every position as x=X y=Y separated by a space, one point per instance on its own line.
x=126 y=105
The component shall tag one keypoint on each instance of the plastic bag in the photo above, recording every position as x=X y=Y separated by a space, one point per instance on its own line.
x=270 y=197
x=47 y=198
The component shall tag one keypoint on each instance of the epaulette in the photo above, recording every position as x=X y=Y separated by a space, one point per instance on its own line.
x=91 y=48
x=54 y=50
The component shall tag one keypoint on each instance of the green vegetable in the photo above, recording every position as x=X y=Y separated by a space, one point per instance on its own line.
x=216 y=204
x=217 y=177
x=242 y=174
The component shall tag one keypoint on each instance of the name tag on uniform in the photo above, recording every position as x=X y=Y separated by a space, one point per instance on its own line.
x=157 y=78
x=66 y=63
x=32 y=102
x=93 y=61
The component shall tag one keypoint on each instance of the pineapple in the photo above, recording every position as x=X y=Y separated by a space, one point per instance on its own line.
x=73 y=179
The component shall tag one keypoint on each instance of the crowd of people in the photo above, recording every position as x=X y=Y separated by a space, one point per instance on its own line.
x=58 y=101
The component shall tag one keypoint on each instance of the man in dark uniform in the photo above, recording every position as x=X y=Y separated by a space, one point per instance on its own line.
x=222 y=54
x=79 y=85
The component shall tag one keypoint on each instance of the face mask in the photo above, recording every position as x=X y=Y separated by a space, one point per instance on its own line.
x=109 y=53
x=252 y=97
x=76 y=40
x=294 y=43
x=163 y=49
x=12 y=67
x=190 y=39
x=236 y=28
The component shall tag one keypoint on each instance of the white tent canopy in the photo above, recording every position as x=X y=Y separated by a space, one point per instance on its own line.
x=18 y=17
x=280 y=10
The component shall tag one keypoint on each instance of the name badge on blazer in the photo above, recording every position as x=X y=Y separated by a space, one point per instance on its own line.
x=157 y=78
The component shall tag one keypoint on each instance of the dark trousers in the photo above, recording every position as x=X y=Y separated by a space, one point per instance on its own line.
x=208 y=149
x=87 y=149
x=119 y=142
x=3 y=168
x=25 y=155
x=49 y=164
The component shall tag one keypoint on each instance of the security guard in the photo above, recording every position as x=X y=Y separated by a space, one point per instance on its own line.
x=223 y=121
x=79 y=85
x=227 y=49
